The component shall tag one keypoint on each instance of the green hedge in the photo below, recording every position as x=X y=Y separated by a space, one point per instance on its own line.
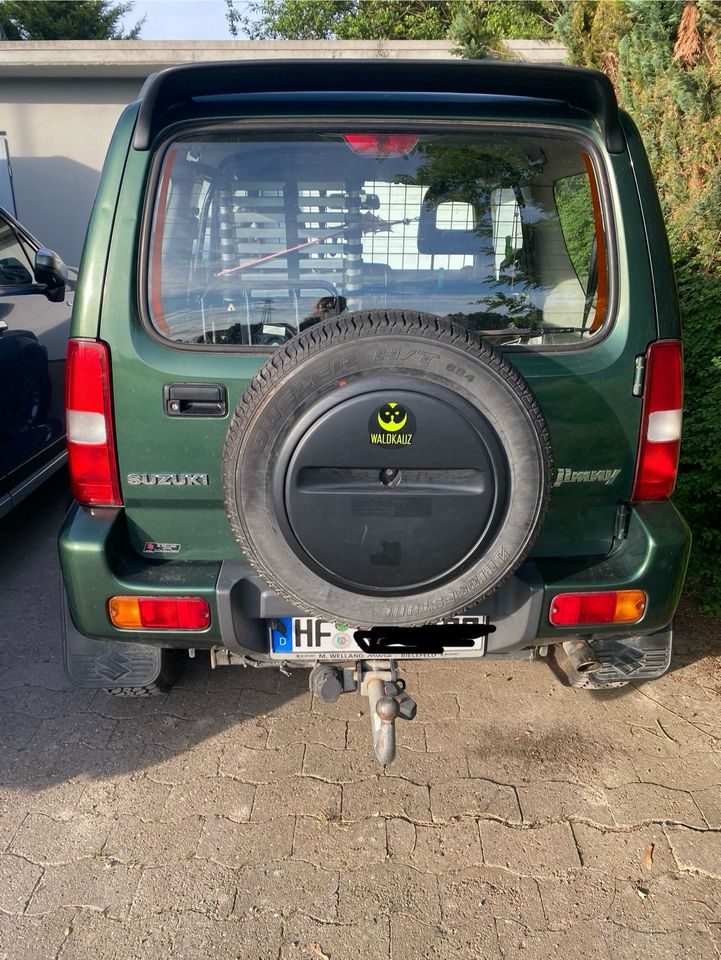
x=698 y=494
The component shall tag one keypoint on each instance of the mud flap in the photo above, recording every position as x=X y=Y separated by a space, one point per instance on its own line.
x=627 y=660
x=99 y=664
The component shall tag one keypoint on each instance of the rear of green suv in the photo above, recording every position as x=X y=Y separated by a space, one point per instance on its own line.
x=373 y=361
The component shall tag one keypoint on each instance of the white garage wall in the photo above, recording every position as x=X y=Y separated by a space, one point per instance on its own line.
x=58 y=130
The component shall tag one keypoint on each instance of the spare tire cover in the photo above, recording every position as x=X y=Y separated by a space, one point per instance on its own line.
x=386 y=468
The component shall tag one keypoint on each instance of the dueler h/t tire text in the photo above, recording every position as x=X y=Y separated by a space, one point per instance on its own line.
x=386 y=468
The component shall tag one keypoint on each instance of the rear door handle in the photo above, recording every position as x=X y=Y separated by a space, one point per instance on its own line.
x=195 y=400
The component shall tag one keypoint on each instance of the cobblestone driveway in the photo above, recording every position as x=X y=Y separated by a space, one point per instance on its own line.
x=236 y=818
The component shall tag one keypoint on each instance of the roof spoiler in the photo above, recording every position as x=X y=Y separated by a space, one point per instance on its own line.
x=588 y=90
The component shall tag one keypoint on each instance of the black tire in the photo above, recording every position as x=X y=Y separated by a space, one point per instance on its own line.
x=463 y=388
x=170 y=665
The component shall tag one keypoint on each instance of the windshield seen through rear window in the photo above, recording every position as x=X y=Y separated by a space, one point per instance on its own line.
x=255 y=237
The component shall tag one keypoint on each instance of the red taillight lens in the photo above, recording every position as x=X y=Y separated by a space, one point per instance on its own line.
x=88 y=407
x=660 y=439
x=381 y=144
x=159 y=613
x=581 y=609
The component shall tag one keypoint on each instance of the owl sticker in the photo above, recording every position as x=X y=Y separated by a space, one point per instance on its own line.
x=392 y=424
x=392 y=417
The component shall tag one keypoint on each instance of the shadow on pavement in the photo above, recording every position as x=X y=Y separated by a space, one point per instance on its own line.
x=52 y=731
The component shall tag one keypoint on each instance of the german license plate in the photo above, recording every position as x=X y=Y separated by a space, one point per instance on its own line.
x=313 y=638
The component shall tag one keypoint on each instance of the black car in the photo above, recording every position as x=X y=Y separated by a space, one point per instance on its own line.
x=34 y=323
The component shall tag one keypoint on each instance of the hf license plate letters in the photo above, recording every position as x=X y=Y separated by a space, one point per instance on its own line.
x=311 y=638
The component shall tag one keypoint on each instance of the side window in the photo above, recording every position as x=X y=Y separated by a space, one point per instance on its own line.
x=579 y=213
x=575 y=213
x=507 y=231
x=15 y=264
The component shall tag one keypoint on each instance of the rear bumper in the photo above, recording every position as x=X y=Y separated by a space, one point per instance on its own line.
x=98 y=562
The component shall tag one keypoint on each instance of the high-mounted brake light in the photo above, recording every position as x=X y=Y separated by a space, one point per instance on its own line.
x=159 y=613
x=381 y=144
x=660 y=439
x=88 y=405
x=585 y=609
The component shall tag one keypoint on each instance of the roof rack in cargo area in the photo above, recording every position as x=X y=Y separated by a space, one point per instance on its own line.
x=587 y=90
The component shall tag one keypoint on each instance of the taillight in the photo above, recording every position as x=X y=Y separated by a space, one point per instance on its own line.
x=159 y=613
x=585 y=609
x=660 y=439
x=88 y=405
x=381 y=144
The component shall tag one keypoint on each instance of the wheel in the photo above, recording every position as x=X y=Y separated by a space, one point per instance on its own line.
x=169 y=672
x=386 y=468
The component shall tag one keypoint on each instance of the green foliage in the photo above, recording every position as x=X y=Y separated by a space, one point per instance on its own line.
x=343 y=19
x=677 y=105
x=479 y=27
x=592 y=31
x=69 y=20
x=698 y=495
x=575 y=212
x=672 y=90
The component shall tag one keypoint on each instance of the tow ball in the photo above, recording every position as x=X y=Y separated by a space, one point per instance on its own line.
x=387 y=698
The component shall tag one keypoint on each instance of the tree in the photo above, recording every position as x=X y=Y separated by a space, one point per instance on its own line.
x=70 y=20
x=665 y=60
x=477 y=25
x=593 y=31
x=343 y=19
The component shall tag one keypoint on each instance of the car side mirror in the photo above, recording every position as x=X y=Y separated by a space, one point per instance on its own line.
x=52 y=273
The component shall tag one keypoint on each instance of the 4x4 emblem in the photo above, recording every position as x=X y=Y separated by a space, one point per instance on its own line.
x=168 y=479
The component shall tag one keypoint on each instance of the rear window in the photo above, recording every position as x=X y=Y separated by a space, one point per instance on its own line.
x=256 y=237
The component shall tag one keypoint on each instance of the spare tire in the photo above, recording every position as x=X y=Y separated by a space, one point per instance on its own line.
x=386 y=468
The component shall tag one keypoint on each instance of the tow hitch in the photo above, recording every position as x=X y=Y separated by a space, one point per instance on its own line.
x=387 y=698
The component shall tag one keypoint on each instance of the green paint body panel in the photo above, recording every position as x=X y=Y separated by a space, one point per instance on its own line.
x=653 y=557
x=661 y=264
x=585 y=394
x=98 y=564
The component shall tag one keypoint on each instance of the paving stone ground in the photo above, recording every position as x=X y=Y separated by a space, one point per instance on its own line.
x=237 y=818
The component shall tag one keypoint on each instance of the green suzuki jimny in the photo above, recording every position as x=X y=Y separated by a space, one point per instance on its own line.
x=373 y=361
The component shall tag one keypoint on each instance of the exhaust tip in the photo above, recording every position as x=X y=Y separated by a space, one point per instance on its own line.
x=581 y=657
